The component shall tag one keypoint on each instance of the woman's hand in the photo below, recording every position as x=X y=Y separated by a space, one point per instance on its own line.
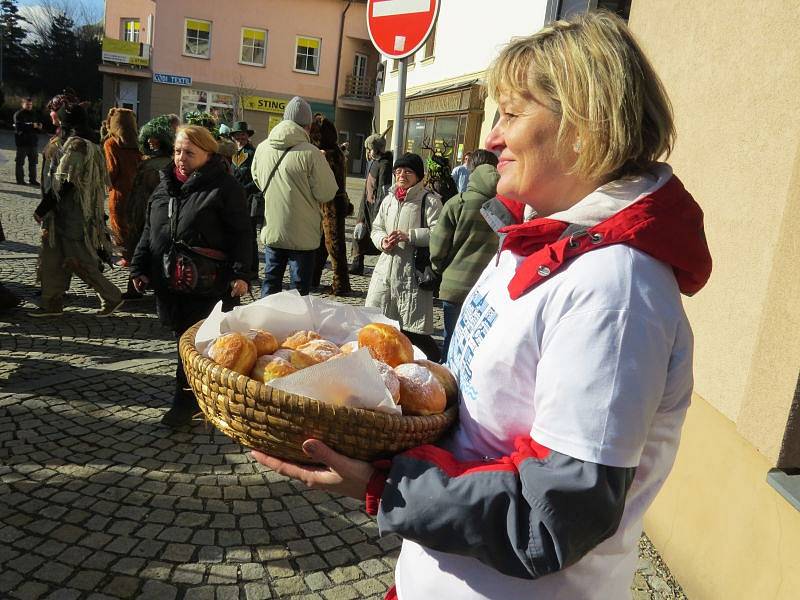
x=140 y=283
x=341 y=475
x=239 y=288
x=394 y=238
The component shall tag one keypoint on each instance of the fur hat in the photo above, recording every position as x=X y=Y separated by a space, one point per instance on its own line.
x=122 y=126
x=299 y=111
x=375 y=142
x=159 y=129
x=412 y=161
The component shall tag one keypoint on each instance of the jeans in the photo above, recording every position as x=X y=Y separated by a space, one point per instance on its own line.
x=29 y=152
x=301 y=270
x=451 y=311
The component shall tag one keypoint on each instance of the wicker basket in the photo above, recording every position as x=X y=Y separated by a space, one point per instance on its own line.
x=259 y=416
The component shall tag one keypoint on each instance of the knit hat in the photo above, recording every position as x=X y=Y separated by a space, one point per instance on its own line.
x=412 y=161
x=299 y=111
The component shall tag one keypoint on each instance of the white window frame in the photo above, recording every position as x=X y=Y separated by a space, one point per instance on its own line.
x=185 y=37
x=125 y=22
x=318 y=56
x=356 y=61
x=242 y=46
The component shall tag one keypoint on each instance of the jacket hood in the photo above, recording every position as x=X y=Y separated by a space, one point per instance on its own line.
x=287 y=134
x=653 y=213
x=483 y=180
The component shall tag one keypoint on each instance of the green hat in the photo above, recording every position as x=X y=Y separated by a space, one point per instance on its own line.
x=241 y=127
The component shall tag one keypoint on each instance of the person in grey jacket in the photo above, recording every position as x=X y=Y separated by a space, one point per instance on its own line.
x=295 y=179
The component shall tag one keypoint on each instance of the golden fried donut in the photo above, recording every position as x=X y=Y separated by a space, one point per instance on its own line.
x=269 y=367
x=298 y=338
x=386 y=343
x=234 y=351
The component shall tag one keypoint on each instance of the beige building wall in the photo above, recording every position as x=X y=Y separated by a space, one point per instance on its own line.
x=115 y=11
x=730 y=69
x=733 y=85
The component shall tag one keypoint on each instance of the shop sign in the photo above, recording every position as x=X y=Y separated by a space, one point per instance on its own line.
x=129 y=53
x=172 y=79
x=262 y=104
x=434 y=104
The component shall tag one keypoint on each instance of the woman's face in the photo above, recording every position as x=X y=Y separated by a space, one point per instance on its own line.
x=153 y=143
x=405 y=178
x=188 y=157
x=531 y=169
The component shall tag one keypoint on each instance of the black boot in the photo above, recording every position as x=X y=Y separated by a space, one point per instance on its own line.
x=357 y=268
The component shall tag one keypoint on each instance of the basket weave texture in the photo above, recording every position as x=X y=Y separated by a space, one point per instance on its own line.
x=261 y=417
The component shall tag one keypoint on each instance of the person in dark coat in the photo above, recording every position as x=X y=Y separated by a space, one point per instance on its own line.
x=209 y=208
x=376 y=187
x=26 y=128
x=242 y=161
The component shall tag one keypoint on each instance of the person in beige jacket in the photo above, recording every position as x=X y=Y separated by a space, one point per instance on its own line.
x=295 y=179
x=397 y=231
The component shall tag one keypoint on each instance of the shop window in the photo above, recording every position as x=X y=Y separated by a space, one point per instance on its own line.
x=218 y=104
x=307 y=55
x=565 y=8
x=197 y=38
x=130 y=30
x=254 y=47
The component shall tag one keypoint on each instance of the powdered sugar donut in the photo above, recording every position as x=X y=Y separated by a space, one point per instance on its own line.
x=420 y=392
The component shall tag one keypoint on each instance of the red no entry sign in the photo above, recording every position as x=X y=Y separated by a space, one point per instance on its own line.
x=398 y=28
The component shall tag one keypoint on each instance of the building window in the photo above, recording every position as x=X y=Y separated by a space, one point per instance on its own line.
x=130 y=30
x=219 y=104
x=307 y=55
x=254 y=47
x=360 y=65
x=427 y=51
x=197 y=38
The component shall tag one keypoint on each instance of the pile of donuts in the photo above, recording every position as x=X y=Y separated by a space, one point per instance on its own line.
x=419 y=387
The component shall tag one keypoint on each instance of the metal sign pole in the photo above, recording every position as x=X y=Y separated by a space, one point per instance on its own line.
x=401 y=109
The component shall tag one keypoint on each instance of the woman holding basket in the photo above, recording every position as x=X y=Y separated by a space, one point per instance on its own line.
x=573 y=353
x=196 y=246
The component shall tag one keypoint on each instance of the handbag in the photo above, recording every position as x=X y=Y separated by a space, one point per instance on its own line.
x=191 y=269
x=427 y=278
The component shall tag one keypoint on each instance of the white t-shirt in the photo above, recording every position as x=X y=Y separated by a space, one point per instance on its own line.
x=595 y=362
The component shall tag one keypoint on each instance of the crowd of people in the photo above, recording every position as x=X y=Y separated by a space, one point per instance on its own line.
x=187 y=203
x=560 y=257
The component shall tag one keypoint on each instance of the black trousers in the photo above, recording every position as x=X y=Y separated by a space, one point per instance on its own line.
x=426 y=343
x=29 y=152
x=179 y=312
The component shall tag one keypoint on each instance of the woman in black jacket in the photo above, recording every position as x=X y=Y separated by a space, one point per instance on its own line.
x=206 y=208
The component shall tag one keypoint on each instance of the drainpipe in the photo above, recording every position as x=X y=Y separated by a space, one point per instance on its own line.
x=339 y=57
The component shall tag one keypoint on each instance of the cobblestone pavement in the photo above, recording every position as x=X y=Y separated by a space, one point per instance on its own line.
x=97 y=500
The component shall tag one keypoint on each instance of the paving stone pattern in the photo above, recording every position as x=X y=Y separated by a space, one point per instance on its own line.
x=97 y=500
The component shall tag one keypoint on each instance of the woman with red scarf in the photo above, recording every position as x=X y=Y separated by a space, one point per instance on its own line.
x=403 y=224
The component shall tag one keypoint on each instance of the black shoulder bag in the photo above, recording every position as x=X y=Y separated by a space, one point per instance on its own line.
x=427 y=278
x=191 y=269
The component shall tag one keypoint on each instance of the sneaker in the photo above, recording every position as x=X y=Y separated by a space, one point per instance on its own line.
x=179 y=416
x=43 y=312
x=108 y=308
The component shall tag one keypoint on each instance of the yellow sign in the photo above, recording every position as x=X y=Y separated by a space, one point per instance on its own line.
x=273 y=120
x=262 y=104
x=120 y=51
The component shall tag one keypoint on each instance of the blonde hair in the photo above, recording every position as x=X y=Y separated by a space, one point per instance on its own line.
x=591 y=72
x=199 y=136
